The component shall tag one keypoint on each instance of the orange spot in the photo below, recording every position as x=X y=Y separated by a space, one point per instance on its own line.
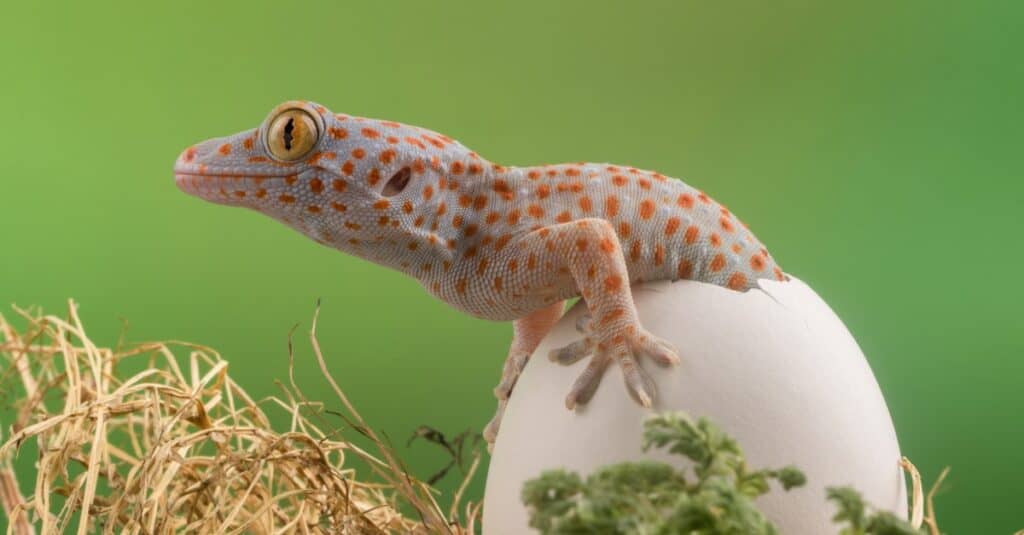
x=543 y=191
x=778 y=274
x=457 y=221
x=646 y=209
x=757 y=262
x=442 y=208
x=572 y=171
x=613 y=315
x=482 y=266
x=672 y=225
x=285 y=198
x=685 y=200
x=644 y=183
x=261 y=193
x=492 y=218
x=704 y=198
x=240 y=194
x=718 y=262
x=353 y=226
x=531 y=261
x=248 y=143
x=470 y=230
x=370 y=133
x=460 y=286
x=457 y=167
x=479 y=202
x=581 y=244
x=471 y=251
x=313 y=209
x=291 y=179
x=533 y=175
x=619 y=180
x=607 y=245
x=513 y=217
x=563 y=217
x=685 y=269
x=348 y=167
x=392 y=140
x=358 y=153
x=316 y=185
x=736 y=248
x=611 y=206
x=625 y=229
x=373 y=177
x=692 y=233
x=224 y=149
x=535 y=211
x=428 y=192
x=586 y=205
x=387 y=156
x=337 y=133
x=634 y=252
x=475 y=169
x=513 y=265
x=497 y=284
x=613 y=283
x=716 y=240
x=659 y=254
x=382 y=204
x=502 y=241
x=737 y=281
x=726 y=224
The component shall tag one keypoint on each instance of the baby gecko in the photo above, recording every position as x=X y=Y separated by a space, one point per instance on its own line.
x=497 y=242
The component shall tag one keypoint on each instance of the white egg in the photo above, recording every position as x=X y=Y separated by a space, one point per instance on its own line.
x=775 y=368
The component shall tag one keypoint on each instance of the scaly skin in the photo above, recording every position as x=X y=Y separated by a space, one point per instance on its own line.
x=497 y=242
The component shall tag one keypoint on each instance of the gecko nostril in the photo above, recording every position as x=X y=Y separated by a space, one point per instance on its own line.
x=397 y=183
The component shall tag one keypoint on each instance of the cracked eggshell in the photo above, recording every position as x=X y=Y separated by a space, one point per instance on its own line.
x=774 y=367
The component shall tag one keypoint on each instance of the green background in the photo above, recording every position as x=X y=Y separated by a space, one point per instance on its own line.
x=874 y=146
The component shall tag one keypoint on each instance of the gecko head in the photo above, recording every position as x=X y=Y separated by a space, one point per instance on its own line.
x=338 y=179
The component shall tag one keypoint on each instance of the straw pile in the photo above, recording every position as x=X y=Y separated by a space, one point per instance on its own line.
x=181 y=448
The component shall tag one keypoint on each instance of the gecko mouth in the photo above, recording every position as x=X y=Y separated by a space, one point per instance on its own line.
x=225 y=187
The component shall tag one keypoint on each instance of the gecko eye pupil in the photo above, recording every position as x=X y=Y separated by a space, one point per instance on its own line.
x=288 y=129
x=397 y=183
x=292 y=134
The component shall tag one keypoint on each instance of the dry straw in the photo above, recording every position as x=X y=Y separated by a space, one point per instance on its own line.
x=181 y=448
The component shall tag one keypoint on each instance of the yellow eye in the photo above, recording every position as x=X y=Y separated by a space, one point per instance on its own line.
x=292 y=134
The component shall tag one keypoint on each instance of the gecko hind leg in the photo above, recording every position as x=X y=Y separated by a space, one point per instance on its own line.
x=528 y=332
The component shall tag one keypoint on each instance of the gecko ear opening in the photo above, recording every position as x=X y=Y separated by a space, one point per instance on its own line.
x=397 y=183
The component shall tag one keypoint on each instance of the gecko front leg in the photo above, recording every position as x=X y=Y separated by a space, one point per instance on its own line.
x=528 y=331
x=588 y=251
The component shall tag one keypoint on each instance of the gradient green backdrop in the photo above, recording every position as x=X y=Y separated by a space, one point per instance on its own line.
x=875 y=146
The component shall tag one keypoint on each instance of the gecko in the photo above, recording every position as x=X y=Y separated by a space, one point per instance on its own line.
x=498 y=242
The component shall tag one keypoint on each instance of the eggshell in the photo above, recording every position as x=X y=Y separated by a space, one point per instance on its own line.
x=774 y=367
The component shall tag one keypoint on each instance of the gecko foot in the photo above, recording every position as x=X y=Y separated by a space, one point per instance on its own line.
x=622 y=348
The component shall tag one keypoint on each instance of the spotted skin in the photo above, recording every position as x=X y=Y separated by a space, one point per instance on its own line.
x=497 y=242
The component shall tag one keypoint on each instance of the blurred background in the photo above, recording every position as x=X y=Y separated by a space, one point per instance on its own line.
x=874 y=146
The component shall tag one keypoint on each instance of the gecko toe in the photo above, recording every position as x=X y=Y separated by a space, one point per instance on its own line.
x=586 y=384
x=571 y=353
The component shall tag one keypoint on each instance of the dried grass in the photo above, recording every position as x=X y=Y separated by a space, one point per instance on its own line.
x=176 y=449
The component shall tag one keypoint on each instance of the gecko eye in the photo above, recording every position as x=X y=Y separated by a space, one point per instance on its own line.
x=292 y=134
x=397 y=182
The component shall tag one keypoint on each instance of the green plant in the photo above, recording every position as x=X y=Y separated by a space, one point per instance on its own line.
x=715 y=496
